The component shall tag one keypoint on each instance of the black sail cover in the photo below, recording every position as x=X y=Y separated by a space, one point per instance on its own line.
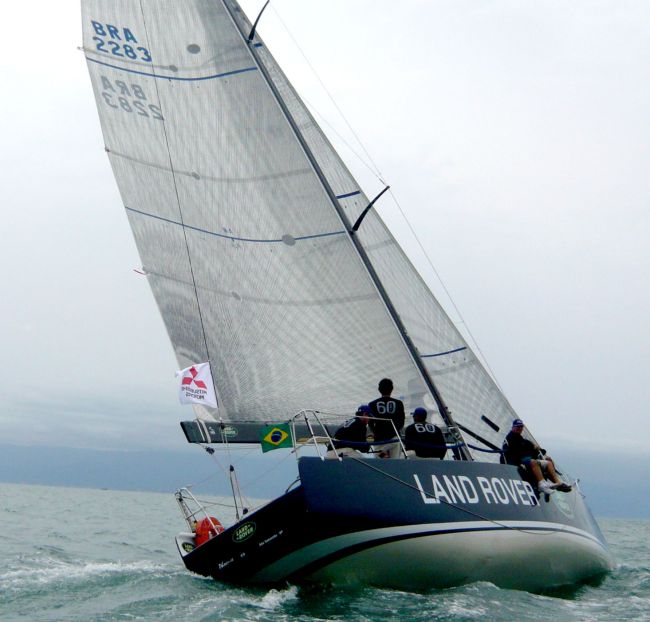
x=251 y=265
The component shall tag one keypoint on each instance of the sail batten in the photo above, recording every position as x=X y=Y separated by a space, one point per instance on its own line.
x=161 y=76
x=283 y=239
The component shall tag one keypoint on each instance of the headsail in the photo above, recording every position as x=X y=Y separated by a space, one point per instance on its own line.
x=470 y=392
x=251 y=266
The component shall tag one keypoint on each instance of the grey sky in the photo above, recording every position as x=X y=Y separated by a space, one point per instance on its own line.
x=514 y=134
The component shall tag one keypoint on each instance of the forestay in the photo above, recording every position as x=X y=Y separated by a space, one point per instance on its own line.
x=250 y=264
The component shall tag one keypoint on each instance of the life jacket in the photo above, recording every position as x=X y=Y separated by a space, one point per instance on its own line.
x=206 y=529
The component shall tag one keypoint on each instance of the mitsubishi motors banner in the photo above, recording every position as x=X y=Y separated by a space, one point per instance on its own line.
x=196 y=385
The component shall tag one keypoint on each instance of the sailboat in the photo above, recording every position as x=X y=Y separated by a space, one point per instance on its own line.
x=268 y=261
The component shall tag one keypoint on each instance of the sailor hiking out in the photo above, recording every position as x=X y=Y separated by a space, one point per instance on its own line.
x=518 y=450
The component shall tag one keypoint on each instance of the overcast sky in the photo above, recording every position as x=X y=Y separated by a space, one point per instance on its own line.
x=515 y=135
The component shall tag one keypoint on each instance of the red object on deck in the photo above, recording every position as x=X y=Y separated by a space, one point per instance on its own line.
x=206 y=529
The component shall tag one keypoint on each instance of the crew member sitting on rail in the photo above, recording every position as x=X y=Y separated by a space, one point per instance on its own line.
x=387 y=420
x=422 y=438
x=351 y=436
x=519 y=450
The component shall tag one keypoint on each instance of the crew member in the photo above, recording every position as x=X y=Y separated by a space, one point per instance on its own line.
x=519 y=450
x=424 y=438
x=387 y=419
x=352 y=434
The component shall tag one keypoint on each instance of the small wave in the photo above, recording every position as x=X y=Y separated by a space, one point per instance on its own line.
x=617 y=607
x=214 y=601
x=477 y=587
x=275 y=598
x=631 y=569
x=466 y=605
x=57 y=571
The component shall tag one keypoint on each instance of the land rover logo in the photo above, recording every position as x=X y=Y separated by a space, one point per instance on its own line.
x=244 y=532
x=188 y=546
x=229 y=431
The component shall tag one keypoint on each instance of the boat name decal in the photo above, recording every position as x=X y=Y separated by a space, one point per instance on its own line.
x=118 y=41
x=222 y=565
x=470 y=490
x=271 y=538
x=244 y=532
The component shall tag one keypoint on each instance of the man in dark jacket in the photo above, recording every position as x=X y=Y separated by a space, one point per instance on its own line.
x=353 y=431
x=426 y=439
x=387 y=419
x=519 y=450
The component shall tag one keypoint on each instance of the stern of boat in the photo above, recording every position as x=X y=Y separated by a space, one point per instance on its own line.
x=185 y=543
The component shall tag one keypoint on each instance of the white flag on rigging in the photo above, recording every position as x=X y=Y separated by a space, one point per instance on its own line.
x=196 y=385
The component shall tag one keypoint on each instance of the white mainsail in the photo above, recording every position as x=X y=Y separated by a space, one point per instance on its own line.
x=251 y=265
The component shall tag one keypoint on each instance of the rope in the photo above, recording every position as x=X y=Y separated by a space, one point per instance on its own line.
x=266 y=473
x=428 y=445
x=461 y=319
x=208 y=504
x=244 y=501
x=372 y=167
x=234 y=480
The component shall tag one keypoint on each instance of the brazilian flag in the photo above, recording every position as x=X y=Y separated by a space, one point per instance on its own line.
x=275 y=437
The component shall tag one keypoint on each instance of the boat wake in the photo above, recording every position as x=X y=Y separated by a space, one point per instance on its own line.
x=277 y=598
x=55 y=572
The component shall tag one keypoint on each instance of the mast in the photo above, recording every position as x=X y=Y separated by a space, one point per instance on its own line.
x=410 y=346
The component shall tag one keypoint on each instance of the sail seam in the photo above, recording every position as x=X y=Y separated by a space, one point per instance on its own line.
x=221 y=180
x=267 y=301
x=232 y=237
x=178 y=78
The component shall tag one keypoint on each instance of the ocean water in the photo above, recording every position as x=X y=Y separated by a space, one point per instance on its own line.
x=79 y=554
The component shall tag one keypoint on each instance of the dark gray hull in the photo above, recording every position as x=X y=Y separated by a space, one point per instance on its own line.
x=410 y=524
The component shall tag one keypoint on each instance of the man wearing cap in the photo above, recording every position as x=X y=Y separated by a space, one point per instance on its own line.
x=387 y=420
x=425 y=439
x=519 y=450
x=354 y=431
